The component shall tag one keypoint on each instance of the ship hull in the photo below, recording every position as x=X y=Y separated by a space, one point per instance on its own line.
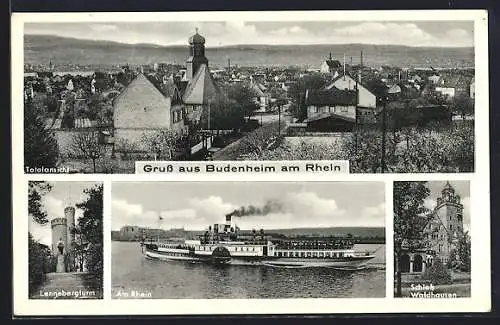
x=167 y=256
x=353 y=262
x=347 y=263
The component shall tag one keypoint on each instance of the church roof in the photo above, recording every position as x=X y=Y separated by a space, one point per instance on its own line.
x=257 y=91
x=202 y=89
x=448 y=187
x=197 y=38
x=333 y=64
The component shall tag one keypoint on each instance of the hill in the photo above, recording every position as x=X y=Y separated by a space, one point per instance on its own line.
x=39 y=49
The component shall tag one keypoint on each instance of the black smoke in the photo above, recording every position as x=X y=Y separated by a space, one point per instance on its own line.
x=271 y=206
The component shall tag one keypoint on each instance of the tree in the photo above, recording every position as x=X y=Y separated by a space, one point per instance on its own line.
x=409 y=221
x=460 y=254
x=243 y=97
x=68 y=119
x=90 y=226
x=362 y=148
x=87 y=145
x=36 y=191
x=160 y=143
x=36 y=264
x=304 y=150
x=437 y=273
x=464 y=105
x=225 y=114
x=258 y=140
x=297 y=93
x=37 y=257
x=40 y=146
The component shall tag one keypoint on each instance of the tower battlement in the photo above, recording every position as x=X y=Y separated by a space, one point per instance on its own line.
x=69 y=209
x=58 y=222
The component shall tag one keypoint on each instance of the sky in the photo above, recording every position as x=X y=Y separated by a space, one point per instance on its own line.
x=462 y=188
x=195 y=205
x=409 y=33
x=61 y=195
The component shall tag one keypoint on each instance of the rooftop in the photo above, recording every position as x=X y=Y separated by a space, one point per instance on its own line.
x=331 y=97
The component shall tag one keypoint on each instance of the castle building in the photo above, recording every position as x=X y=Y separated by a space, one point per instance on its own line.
x=440 y=233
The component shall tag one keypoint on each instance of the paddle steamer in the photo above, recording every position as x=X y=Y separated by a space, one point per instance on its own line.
x=224 y=244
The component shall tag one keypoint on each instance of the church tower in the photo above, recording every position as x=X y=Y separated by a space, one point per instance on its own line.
x=449 y=211
x=196 y=55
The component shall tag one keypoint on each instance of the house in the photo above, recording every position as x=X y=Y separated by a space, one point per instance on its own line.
x=440 y=229
x=331 y=67
x=141 y=108
x=331 y=110
x=366 y=98
x=260 y=96
x=452 y=85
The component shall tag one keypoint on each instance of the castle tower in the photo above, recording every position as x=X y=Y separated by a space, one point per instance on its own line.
x=59 y=233
x=196 y=55
x=449 y=210
x=69 y=213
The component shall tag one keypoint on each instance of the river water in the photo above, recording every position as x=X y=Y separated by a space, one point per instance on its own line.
x=132 y=274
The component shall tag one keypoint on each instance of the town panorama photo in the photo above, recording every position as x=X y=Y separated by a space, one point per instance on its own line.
x=388 y=96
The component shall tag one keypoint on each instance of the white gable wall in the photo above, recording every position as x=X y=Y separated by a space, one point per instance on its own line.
x=366 y=98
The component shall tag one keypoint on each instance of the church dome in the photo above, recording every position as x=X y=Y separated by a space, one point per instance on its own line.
x=197 y=38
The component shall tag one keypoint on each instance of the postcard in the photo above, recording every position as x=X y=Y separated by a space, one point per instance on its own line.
x=272 y=162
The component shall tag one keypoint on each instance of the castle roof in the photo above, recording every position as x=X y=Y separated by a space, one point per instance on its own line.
x=448 y=188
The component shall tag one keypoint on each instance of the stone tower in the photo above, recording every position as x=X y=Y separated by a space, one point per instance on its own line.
x=59 y=233
x=196 y=55
x=69 y=213
x=62 y=233
x=449 y=213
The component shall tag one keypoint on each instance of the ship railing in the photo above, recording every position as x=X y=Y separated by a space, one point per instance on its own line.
x=314 y=247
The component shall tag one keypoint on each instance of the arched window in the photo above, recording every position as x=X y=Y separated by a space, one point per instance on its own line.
x=417 y=263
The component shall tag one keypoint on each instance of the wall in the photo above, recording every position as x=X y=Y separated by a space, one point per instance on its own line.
x=59 y=230
x=450 y=92
x=365 y=98
x=347 y=111
x=141 y=105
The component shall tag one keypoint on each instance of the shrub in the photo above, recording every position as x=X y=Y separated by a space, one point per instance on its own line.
x=36 y=264
x=94 y=260
x=437 y=273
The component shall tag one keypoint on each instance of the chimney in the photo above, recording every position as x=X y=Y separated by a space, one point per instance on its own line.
x=361 y=59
